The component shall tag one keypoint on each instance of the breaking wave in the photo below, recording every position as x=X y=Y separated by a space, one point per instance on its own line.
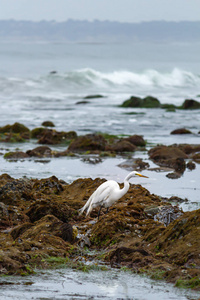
x=88 y=79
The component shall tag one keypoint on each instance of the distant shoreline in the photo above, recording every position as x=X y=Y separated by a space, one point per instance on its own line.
x=101 y=31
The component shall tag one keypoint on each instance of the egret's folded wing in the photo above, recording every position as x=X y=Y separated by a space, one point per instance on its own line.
x=101 y=195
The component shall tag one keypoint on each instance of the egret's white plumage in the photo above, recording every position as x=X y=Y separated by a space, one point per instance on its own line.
x=108 y=193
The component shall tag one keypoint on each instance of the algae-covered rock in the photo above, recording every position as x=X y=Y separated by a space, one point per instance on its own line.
x=181 y=131
x=48 y=124
x=5 y=178
x=14 y=191
x=38 y=132
x=188 y=149
x=174 y=156
x=169 y=156
x=29 y=244
x=93 y=96
x=147 y=102
x=150 y=102
x=16 y=155
x=40 y=208
x=190 y=104
x=13 y=137
x=196 y=157
x=191 y=165
x=48 y=185
x=41 y=151
x=169 y=107
x=4 y=216
x=53 y=137
x=134 y=164
x=15 y=128
x=88 y=142
x=121 y=146
x=14 y=133
x=141 y=231
x=136 y=140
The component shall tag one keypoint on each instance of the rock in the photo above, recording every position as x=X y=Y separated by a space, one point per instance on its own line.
x=5 y=178
x=179 y=237
x=14 y=133
x=177 y=199
x=48 y=124
x=174 y=175
x=191 y=165
x=20 y=229
x=151 y=102
x=136 y=140
x=16 y=191
x=89 y=142
x=147 y=102
x=168 y=156
x=41 y=208
x=92 y=160
x=48 y=226
x=121 y=146
x=171 y=157
x=169 y=107
x=134 y=164
x=48 y=186
x=196 y=157
x=93 y=96
x=15 y=128
x=132 y=102
x=16 y=155
x=41 y=151
x=14 y=138
x=52 y=137
x=167 y=214
x=181 y=131
x=82 y=102
x=188 y=149
x=152 y=210
x=38 y=132
x=179 y=165
x=4 y=216
x=190 y=104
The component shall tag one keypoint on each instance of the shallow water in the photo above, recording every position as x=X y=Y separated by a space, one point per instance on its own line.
x=69 y=284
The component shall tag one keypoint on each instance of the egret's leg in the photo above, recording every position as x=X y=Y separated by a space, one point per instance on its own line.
x=99 y=212
x=107 y=210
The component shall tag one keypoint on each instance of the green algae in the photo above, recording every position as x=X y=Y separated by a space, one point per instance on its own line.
x=192 y=283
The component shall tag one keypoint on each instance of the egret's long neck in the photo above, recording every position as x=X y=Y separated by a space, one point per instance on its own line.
x=124 y=190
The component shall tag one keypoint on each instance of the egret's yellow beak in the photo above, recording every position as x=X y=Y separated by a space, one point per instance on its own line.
x=141 y=175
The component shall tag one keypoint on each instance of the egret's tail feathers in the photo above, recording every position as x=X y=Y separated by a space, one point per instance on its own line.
x=87 y=204
x=81 y=211
x=89 y=209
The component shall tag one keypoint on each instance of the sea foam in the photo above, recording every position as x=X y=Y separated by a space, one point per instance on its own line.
x=88 y=79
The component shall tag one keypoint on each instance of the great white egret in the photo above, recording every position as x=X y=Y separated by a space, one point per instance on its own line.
x=107 y=194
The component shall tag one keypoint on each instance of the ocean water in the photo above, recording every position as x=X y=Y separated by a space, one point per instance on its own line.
x=42 y=81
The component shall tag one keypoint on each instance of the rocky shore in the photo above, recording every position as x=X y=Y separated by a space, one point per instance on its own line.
x=40 y=226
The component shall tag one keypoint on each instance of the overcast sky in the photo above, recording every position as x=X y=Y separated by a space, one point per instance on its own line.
x=113 y=10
